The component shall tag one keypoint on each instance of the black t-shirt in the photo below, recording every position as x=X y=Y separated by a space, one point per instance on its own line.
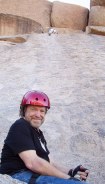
x=21 y=137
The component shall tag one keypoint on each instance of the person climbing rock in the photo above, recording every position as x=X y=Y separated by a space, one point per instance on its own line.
x=25 y=155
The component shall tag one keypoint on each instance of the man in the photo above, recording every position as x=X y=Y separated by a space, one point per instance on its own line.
x=25 y=155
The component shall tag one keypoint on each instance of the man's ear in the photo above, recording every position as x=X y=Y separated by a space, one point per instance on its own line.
x=46 y=110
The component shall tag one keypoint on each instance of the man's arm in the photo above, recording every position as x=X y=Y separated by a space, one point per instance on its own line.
x=39 y=165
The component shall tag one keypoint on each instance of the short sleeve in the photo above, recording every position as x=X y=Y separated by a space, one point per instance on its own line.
x=19 y=138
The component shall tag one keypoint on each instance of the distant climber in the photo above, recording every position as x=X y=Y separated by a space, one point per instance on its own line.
x=52 y=31
x=25 y=155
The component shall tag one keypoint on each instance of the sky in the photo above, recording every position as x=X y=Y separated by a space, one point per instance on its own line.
x=85 y=3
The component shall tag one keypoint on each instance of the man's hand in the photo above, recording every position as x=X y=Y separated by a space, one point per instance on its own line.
x=79 y=172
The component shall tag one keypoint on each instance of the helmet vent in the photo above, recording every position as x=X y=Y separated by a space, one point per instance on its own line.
x=36 y=99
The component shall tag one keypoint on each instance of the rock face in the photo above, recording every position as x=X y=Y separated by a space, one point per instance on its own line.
x=97 y=16
x=37 y=10
x=99 y=30
x=71 y=70
x=69 y=16
x=97 y=3
x=14 y=25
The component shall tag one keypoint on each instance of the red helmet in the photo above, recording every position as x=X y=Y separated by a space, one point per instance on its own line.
x=35 y=98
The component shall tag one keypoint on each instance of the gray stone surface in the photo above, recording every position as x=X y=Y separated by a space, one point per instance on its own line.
x=71 y=70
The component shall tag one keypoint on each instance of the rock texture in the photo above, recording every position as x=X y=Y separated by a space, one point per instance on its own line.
x=37 y=10
x=14 y=25
x=97 y=16
x=62 y=30
x=97 y=3
x=99 y=30
x=69 y=16
x=5 y=179
x=14 y=39
x=71 y=70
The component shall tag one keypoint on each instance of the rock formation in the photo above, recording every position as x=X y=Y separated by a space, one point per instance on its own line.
x=97 y=3
x=47 y=14
x=37 y=10
x=14 y=25
x=96 y=23
x=69 y=16
x=71 y=70
x=97 y=16
x=99 y=30
x=14 y=39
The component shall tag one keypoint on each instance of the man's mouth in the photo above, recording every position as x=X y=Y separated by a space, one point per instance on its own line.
x=36 y=119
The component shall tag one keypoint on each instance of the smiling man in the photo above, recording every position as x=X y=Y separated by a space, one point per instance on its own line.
x=25 y=155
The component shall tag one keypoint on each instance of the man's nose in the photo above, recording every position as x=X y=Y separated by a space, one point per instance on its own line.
x=37 y=113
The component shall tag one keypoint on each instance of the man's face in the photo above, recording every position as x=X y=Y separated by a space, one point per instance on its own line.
x=35 y=115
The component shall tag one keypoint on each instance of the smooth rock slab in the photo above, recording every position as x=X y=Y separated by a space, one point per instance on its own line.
x=71 y=70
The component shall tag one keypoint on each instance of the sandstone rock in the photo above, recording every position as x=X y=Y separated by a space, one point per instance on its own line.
x=13 y=25
x=99 y=30
x=37 y=10
x=69 y=16
x=97 y=16
x=17 y=39
x=97 y=3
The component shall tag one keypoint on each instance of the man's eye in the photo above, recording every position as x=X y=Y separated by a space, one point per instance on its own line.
x=43 y=111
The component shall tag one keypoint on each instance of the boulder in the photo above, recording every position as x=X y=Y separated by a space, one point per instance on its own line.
x=99 y=30
x=97 y=16
x=13 y=25
x=97 y=3
x=69 y=16
x=37 y=10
